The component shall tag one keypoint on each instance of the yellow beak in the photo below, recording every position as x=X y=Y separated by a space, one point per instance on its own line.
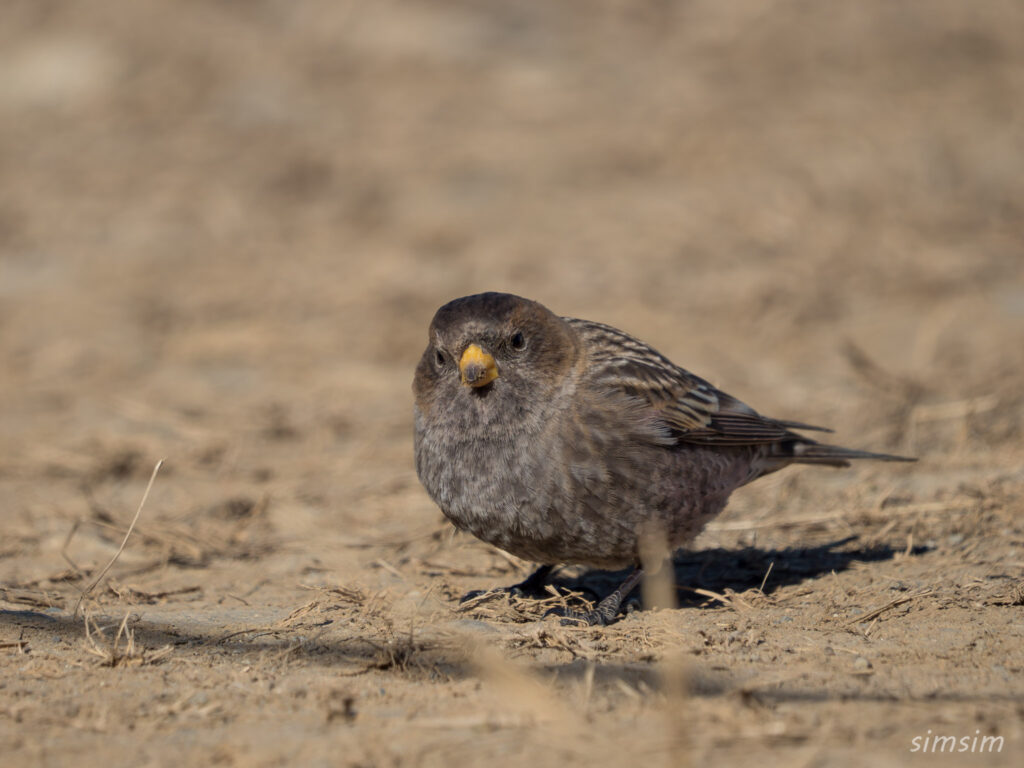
x=477 y=367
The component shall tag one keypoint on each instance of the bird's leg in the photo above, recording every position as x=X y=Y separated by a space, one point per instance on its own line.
x=531 y=586
x=606 y=610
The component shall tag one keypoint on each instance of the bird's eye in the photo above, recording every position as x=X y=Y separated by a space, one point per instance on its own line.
x=518 y=341
x=440 y=358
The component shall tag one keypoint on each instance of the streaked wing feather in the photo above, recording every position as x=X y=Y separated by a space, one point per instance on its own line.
x=800 y=425
x=693 y=409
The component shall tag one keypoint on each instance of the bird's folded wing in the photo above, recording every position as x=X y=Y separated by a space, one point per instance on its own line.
x=695 y=411
x=689 y=407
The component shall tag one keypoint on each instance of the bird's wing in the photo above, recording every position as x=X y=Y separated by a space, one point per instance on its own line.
x=691 y=408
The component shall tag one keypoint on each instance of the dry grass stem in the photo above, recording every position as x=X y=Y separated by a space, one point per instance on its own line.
x=121 y=650
x=876 y=612
x=731 y=601
x=124 y=542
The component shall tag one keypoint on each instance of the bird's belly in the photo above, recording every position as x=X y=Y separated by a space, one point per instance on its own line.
x=552 y=509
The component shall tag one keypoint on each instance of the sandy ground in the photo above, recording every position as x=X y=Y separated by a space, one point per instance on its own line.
x=224 y=227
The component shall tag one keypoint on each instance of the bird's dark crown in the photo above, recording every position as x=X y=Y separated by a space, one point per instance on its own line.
x=483 y=312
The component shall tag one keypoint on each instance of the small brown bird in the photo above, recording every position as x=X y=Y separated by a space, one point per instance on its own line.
x=562 y=440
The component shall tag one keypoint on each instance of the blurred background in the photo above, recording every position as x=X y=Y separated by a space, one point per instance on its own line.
x=224 y=226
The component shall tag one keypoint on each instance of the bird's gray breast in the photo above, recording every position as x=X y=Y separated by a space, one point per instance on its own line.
x=490 y=480
x=547 y=486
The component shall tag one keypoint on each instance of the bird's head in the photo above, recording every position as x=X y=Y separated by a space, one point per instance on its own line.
x=493 y=348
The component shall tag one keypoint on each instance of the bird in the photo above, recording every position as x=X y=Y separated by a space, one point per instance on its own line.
x=566 y=441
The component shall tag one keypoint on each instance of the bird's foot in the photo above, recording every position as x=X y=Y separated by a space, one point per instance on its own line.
x=531 y=586
x=571 y=618
x=604 y=614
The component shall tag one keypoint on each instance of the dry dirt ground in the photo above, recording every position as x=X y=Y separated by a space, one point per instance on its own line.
x=224 y=227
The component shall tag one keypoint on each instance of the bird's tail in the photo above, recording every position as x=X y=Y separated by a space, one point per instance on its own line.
x=810 y=452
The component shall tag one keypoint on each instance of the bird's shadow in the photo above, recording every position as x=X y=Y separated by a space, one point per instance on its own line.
x=717 y=570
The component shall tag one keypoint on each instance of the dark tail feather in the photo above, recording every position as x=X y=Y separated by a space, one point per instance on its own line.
x=834 y=455
x=807 y=451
